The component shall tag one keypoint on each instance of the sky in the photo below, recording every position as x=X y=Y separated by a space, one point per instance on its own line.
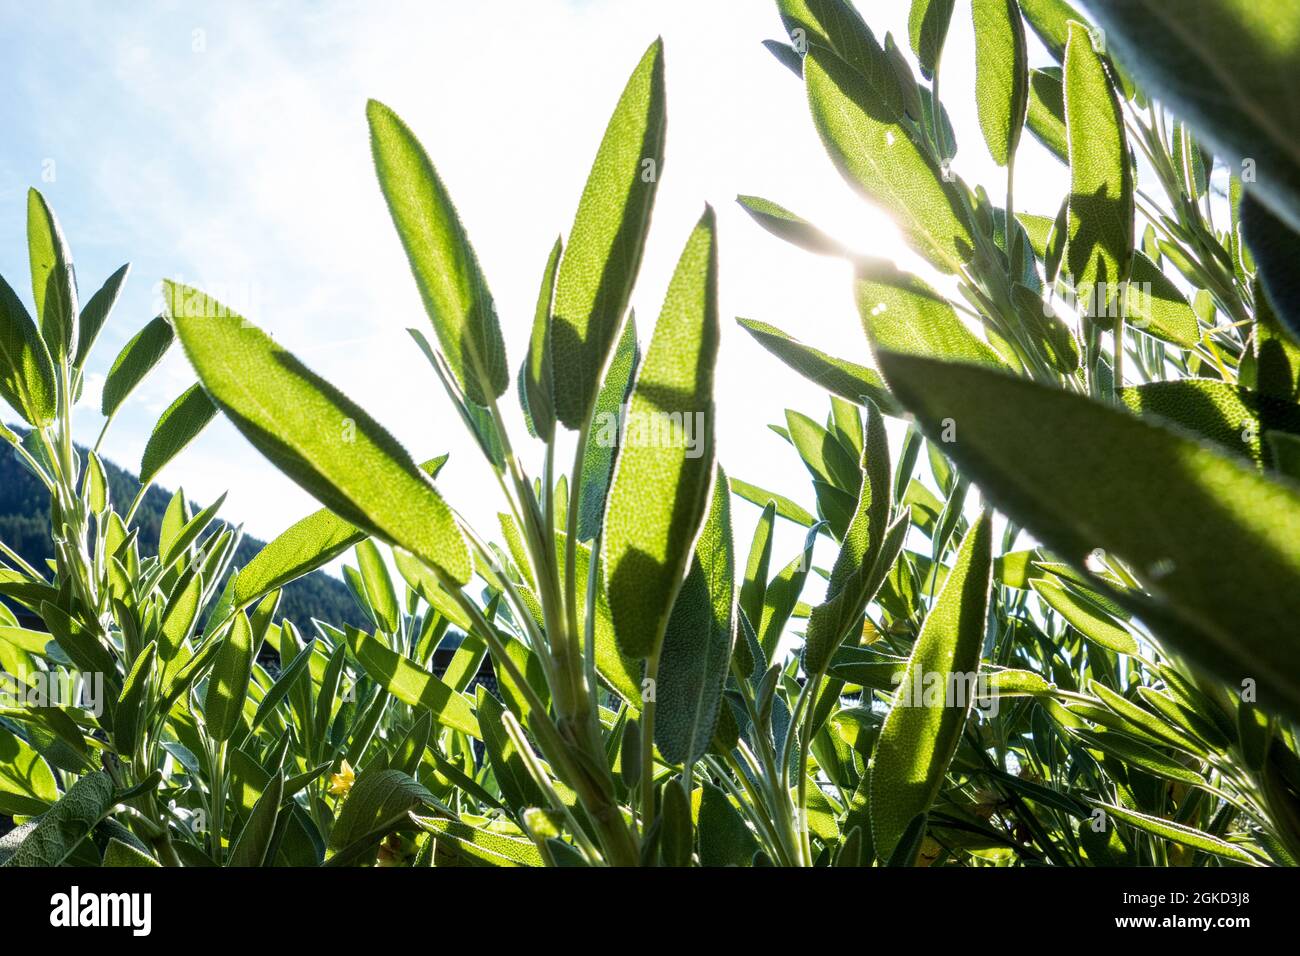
x=225 y=145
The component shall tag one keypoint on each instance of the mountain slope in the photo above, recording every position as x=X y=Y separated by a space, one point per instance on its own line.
x=25 y=527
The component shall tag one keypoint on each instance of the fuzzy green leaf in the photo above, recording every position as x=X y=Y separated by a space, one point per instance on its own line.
x=536 y=378
x=878 y=155
x=137 y=358
x=412 y=684
x=660 y=489
x=54 y=281
x=316 y=435
x=183 y=421
x=603 y=254
x=447 y=272
x=95 y=313
x=1212 y=540
x=1001 y=75
x=919 y=737
x=697 y=644
x=1100 y=244
x=223 y=705
x=843 y=378
x=27 y=380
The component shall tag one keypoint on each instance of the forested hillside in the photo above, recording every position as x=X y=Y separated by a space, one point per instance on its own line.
x=25 y=527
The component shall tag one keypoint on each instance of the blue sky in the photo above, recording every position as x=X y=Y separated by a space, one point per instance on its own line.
x=224 y=144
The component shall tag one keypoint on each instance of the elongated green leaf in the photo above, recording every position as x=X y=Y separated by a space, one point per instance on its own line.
x=784 y=506
x=1157 y=307
x=794 y=229
x=26 y=784
x=1046 y=113
x=54 y=281
x=378 y=803
x=223 y=706
x=518 y=788
x=1050 y=20
x=379 y=586
x=660 y=488
x=252 y=846
x=1232 y=417
x=927 y=28
x=603 y=255
x=1100 y=245
x=179 y=617
x=478 y=846
x=1274 y=247
x=837 y=26
x=843 y=378
x=1226 y=67
x=1178 y=833
x=316 y=435
x=697 y=644
x=179 y=425
x=189 y=533
x=137 y=358
x=754 y=585
x=877 y=154
x=130 y=717
x=536 y=378
x=606 y=421
x=856 y=574
x=1212 y=540
x=781 y=596
x=412 y=684
x=66 y=824
x=27 y=380
x=724 y=837
x=95 y=313
x=1084 y=616
x=1001 y=75
x=302 y=548
x=826 y=459
x=902 y=313
x=919 y=736
x=452 y=286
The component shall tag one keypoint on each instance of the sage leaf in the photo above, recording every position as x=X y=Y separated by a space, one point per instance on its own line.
x=447 y=272
x=536 y=376
x=696 y=654
x=839 y=376
x=1001 y=75
x=883 y=159
x=95 y=313
x=412 y=684
x=660 y=489
x=603 y=254
x=54 y=281
x=1099 y=249
x=27 y=380
x=137 y=358
x=1212 y=540
x=316 y=435
x=62 y=828
x=179 y=425
x=223 y=705
x=1227 y=68
x=918 y=737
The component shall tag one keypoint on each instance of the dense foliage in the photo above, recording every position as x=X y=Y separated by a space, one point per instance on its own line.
x=1059 y=627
